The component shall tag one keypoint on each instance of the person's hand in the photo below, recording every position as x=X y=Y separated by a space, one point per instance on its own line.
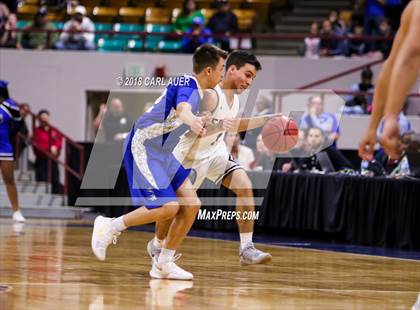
x=228 y=124
x=54 y=150
x=197 y=125
x=286 y=167
x=390 y=139
x=367 y=145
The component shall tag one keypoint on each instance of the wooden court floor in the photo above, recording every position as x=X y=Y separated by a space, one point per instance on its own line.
x=49 y=265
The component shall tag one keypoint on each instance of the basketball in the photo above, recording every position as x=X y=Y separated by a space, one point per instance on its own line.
x=280 y=134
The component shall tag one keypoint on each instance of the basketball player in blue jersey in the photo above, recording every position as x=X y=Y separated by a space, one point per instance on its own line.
x=209 y=157
x=157 y=179
x=9 y=113
x=397 y=77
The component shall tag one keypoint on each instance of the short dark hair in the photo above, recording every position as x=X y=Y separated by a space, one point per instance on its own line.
x=367 y=73
x=43 y=111
x=241 y=58
x=207 y=55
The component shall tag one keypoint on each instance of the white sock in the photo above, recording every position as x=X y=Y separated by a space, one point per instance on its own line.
x=118 y=224
x=165 y=256
x=157 y=242
x=245 y=238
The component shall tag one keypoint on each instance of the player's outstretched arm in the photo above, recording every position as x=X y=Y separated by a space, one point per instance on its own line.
x=247 y=123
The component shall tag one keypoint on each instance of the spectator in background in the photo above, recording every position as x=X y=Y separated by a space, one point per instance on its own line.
x=224 y=21
x=373 y=14
x=9 y=37
x=4 y=14
x=316 y=117
x=44 y=142
x=184 y=21
x=116 y=123
x=11 y=5
x=403 y=123
x=71 y=38
x=312 y=42
x=200 y=35
x=384 y=46
x=39 y=40
x=356 y=45
x=361 y=104
x=264 y=159
x=330 y=46
x=242 y=154
x=393 y=11
x=316 y=140
x=337 y=24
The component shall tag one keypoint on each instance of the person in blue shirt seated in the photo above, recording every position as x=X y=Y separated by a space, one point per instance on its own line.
x=198 y=35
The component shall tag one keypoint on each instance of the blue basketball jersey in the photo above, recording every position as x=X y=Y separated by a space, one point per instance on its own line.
x=9 y=112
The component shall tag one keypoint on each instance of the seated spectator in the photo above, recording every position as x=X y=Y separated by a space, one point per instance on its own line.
x=43 y=142
x=331 y=46
x=4 y=15
x=72 y=38
x=116 y=123
x=264 y=159
x=184 y=21
x=312 y=43
x=200 y=35
x=316 y=117
x=316 y=140
x=8 y=36
x=360 y=104
x=224 y=21
x=374 y=12
x=242 y=154
x=382 y=165
x=39 y=40
x=356 y=45
x=337 y=24
x=384 y=46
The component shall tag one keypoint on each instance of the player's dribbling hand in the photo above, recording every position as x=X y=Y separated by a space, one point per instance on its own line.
x=367 y=145
x=390 y=139
x=197 y=126
x=228 y=124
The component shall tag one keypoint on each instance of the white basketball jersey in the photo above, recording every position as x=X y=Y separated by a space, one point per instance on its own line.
x=212 y=144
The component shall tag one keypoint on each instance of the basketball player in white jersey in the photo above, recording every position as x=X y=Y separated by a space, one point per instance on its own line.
x=209 y=157
x=395 y=80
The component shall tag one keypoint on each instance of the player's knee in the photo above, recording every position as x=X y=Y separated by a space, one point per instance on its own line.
x=170 y=210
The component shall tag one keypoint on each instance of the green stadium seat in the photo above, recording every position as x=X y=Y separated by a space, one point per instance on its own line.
x=137 y=45
x=128 y=28
x=111 y=45
x=103 y=27
x=169 y=46
x=153 y=40
x=58 y=25
x=23 y=24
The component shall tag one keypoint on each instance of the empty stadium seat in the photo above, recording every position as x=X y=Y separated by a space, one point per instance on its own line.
x=27 y=11
x=111 y=45
x=137 y=45
x=132 y=15
x=22 y=24
x=245 y=18
x=158 y=15
x=169 y=46
x=104 y=14
x=103 y=27
x=128 y=28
